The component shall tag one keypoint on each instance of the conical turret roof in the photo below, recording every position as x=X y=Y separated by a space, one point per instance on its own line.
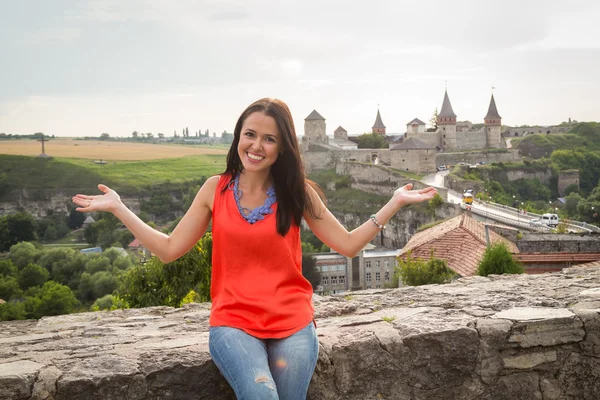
x=492 y=110
x=314 y=115
x=378 y=121
x=447 y=107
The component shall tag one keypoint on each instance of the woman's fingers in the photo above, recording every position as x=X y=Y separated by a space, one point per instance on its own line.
x=103 y=188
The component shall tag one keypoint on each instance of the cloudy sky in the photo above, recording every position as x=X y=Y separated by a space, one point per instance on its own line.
x=84 y=67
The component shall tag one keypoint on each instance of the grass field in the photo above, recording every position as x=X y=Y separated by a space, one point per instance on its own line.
x=78 y=175
x=103 y=150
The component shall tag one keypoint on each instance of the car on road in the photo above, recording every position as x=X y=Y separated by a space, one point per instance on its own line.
x=441 y=168
x=535 y=222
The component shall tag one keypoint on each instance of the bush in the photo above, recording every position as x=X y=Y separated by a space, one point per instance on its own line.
x=416 y=272
x=498 y=260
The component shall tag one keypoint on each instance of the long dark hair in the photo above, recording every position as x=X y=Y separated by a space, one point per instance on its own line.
x=289 y=179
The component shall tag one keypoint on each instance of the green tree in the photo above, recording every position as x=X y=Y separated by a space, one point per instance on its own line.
x=23 y=254
x=104 y=136
x=32 y=275
x=12 y=311
x=19 y=227
x=55 y=299
x=50 y=233
x=310 y=270
x=433 y=121
x=498 y=260
x=572 y=201
x=155 y=283
x=90 y=233
x=75 y=219
x=9 y=288
x=416 y=272
x=371 y=141
x=7 y=268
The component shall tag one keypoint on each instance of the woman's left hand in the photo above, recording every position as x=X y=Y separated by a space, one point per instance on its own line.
x=405 y=195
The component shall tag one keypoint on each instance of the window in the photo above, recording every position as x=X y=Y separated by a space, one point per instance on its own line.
x=377 y=276
x=324 y=268
x=367 y=264
x=377 y=264
x=342 y=279
x=378 y=287
x=325 y=280
x=334 y=280
x=368 y=277
x=386 y=263
x=387 y=275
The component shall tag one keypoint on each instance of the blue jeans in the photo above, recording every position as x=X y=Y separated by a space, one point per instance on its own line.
x=265 y=368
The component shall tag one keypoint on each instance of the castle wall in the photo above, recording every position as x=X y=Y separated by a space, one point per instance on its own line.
x=473 y=157
x=414 y=160
x=518 y=132
x=431 y=138
x=471 y=140
x=494 y=137
x=566 y=179
x=447 y=136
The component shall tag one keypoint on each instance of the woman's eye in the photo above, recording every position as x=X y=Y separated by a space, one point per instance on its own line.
x=270 y=139
x=249 y=134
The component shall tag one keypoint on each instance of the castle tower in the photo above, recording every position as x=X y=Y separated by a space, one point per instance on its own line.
x=493 y=125
x=314 y=128
x=446 y=121
x=379 y=127
x=340 y=133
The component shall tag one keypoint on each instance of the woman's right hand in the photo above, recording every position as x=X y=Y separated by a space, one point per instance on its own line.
x=109 y=201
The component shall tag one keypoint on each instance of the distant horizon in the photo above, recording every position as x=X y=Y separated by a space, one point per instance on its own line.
x=573 y=121
x=72 y=66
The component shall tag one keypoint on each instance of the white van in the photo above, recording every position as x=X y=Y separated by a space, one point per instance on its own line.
x=549 y=220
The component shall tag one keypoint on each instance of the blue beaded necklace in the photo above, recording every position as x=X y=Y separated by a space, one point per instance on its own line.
x=259 y=212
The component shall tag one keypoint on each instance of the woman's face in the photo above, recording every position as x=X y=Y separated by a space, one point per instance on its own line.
x=260 y=142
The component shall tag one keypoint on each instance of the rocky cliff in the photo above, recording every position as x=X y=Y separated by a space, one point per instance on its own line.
x=503 y=337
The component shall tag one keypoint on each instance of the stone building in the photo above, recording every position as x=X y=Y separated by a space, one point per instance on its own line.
x=378 y=126
x=314 y=130
x=454 y=135
x=372 y=268
x=414 y=155
x=340 y=139
x=567 y=178
x=415 y=126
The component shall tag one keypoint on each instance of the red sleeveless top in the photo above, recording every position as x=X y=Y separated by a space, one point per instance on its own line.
x=257 y=283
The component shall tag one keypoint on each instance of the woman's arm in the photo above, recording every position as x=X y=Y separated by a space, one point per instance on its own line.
x=166 y=247
x=328 y=229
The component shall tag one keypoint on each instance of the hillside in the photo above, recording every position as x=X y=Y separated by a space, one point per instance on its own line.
x=128 y=177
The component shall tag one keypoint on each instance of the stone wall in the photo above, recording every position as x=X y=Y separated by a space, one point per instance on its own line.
x=566 y=179
x=473 y=157
x=422 y=161
x=471 y=140
x=496 y=338
x=518 y=132
x=58 y=202
x=559 y=243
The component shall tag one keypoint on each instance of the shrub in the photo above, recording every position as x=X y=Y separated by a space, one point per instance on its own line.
x=498 y=260
x=415 y=272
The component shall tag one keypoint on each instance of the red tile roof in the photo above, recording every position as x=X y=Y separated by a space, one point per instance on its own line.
x=135 y=244
x=460 y=241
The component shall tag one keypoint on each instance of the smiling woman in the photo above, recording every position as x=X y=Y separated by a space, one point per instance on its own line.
x=261 y=302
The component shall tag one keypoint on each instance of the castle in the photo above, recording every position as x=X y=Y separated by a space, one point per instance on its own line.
x=415 y=151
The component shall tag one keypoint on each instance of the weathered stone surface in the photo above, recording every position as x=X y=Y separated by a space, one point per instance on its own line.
x=501 y=337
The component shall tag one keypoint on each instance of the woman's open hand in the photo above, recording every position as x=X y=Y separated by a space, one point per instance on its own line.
x=109 y=201
x=405 y=195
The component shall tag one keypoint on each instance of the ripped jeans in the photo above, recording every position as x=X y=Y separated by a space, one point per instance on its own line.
x=265 y=368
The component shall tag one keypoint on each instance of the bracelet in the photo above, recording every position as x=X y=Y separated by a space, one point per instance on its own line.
x=377 y=224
